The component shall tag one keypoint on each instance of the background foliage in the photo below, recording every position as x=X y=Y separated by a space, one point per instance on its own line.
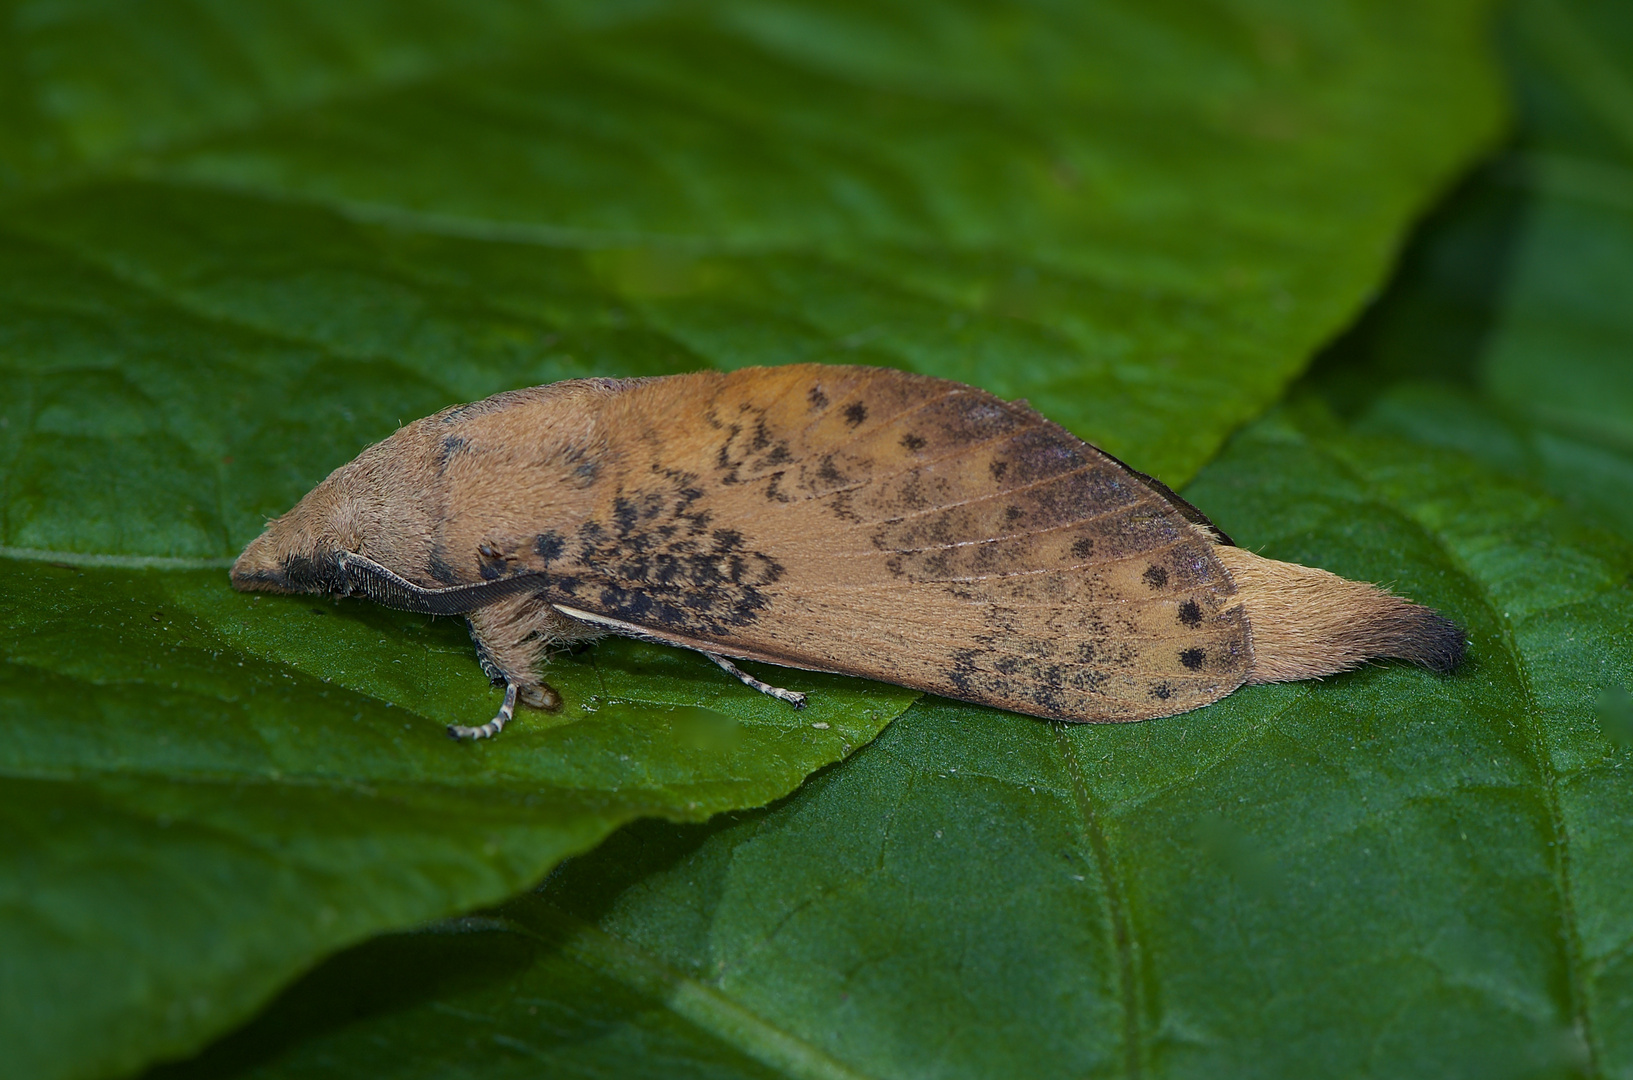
x=242 y=240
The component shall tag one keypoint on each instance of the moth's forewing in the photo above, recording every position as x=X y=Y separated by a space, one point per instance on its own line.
x=859 y=520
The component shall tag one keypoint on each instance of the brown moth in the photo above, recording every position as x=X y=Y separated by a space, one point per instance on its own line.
x=845 y=519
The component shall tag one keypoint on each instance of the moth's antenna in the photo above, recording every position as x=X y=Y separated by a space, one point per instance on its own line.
x=1307 y=622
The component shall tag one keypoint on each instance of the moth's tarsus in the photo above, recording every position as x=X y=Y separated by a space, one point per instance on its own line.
x=492 y=727
x=793 y=697
x=855 y=520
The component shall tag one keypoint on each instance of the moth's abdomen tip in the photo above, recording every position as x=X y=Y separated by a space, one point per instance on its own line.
x=1306 y=623
x=1433 y=641
x=1392 y=628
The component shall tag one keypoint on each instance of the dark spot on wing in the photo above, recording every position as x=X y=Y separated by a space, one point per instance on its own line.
x=817 y=398
x=1190 y=613
x=549 y=546
x=1082 y=547
x=998 y=468
x=961 y=670
x=625 y=514
x=658 y=562
x=724 y=462
x=451 y=445
x=1013 y=513
x=585 y=468
x=748 y=449
x=911 y=494
x=1155 y=576
x=1035 y=672
x=840 y=506
x=1192 y=658
x=912 y=442
x=1162 y=691
x=855 y=413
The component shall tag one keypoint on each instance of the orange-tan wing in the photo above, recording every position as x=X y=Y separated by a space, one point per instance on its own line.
x=895 y=526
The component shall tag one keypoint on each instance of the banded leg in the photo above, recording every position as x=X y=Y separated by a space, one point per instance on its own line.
x=793 y=697
x=511 y=637
x=492 y=727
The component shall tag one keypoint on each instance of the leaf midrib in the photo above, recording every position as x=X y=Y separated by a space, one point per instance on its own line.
x=1115 y=898
x=1542 y=762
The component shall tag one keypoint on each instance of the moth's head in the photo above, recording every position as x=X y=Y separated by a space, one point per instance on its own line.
x=368 y=506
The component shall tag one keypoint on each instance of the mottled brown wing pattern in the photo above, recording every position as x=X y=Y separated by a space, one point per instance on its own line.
x=885 y=524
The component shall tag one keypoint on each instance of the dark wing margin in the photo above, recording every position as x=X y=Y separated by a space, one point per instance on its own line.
x=1186 y=510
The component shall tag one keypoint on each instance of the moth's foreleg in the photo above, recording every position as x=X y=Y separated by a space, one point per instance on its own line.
x=511 y=637
x=492 y=727
x=793 y=697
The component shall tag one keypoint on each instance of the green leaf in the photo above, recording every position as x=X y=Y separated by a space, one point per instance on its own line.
x=1506 y=334
x=240 y=241
x=205 y=792
x=1388 y=871
x=237 y=248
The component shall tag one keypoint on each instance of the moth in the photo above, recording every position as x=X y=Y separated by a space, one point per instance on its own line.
x=858 y=520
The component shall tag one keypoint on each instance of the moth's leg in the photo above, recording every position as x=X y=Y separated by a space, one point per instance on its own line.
x=793 y=697
x=511 y=637
x=490 y=666
x=492 y=727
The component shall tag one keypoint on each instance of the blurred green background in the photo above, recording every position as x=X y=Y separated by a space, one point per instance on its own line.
x=1356 y=274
